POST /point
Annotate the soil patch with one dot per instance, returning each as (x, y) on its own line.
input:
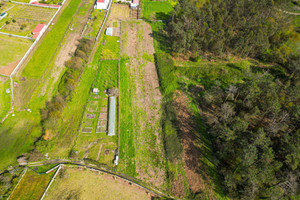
(9, 68)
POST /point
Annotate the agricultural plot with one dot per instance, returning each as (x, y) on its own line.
(110, 49)
(94, 24)
(93, 142)
(4, 96)
(22, 19)
(77, 183)
(141, 146)
(32, 186)
(12, 50)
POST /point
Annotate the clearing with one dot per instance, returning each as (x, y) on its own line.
(79, 183)
(4, 96)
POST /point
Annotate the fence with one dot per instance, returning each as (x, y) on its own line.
(28, 4)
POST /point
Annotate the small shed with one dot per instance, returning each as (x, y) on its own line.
(109, 31)
(102, 4)
(95, 90)
(39, 29)
(116, 161)
(134, 3)
(111, 116)
(2, 15)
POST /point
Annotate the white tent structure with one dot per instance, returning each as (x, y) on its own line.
(111, 116)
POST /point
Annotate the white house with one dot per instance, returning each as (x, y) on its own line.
(102, 4)
(134, 3)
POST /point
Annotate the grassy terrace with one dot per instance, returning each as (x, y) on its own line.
(32, 186)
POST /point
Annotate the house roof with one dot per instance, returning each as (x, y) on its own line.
(100, 1)
(38, 28)
(35, 35)
(136, 1)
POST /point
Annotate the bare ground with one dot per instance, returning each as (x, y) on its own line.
(9, 68)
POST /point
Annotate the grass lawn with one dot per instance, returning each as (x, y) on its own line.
(17, 135)
(32, 186)
(83, 184)
(12, 49)
(4, 97)
(156, 9)
(43, 168)
(110, 48)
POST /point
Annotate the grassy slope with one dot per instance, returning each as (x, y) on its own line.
(156, 9)
(32, 186)
(85, 184)
(12, 49)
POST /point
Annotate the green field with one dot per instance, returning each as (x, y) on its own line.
(73, 183)
(12, 49)
(32, 186)
(156, 9)
(4, 97)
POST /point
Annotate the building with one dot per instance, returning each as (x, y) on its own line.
(111, 116)
(109, 31)
(38, 30)
(134, 3)
(102, 4)
(2, 15)
(95, 90)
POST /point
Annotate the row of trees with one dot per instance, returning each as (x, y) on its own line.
(52, 113)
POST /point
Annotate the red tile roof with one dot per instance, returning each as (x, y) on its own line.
(38, 28)
(100, 1)
(35, 35)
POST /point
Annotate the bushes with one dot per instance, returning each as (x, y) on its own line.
(52, 113)
(166, 67)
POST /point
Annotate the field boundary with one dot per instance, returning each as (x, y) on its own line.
(124, 177)
(28, 4)
(14, 35)
(59, 167)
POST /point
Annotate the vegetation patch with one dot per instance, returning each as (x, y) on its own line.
(85, 184)
(110, 48)
(32, 186)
